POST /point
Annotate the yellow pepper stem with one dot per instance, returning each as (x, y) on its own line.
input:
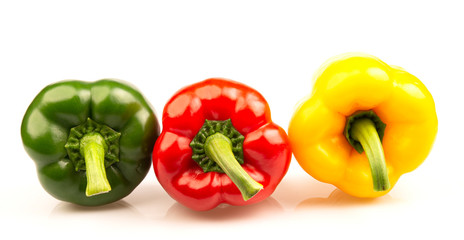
(364, 131)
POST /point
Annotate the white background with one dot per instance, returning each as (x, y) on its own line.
(274, 47)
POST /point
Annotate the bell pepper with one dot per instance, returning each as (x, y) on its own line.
(364, 125)
(219, 145)
(91, 141)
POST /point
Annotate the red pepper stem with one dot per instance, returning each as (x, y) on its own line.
(219, 148)
(93, 148)
(364, 131)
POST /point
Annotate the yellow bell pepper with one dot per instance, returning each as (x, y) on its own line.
(364, 125)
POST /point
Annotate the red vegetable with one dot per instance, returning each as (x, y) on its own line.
(219, 145)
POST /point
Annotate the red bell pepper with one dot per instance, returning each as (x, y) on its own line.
(219, 145)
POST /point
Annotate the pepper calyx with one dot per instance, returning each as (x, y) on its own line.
(370, 114)
(76, 134)
(209, 128)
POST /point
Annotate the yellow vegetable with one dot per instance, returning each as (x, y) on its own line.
(361, 105)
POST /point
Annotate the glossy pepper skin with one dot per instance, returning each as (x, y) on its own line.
(109, 108)
(266, 151)
(349, 83)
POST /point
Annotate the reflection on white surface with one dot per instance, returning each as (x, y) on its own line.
(225, 213)
(340, 199)
(116, 209)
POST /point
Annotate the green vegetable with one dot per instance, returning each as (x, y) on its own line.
(91, 141)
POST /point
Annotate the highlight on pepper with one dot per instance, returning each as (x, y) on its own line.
(364, 125)
(219, 145)
(91, 141)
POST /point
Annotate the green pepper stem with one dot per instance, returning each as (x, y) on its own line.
(93, 148)
(219, 148)
(364, 131)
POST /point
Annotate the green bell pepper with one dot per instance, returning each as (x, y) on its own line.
(91, 141)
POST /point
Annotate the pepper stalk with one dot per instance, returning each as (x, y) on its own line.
(364, 131)
(218, 147)
(92, 147)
